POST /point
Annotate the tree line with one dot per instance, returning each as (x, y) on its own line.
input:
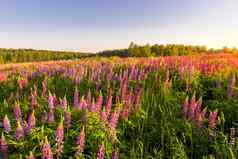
(29, 55)
(135, 50)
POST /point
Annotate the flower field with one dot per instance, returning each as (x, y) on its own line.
(135, 108)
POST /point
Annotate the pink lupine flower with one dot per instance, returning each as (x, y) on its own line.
(80, 143)
(109, 103)
(115, 155)
(127, 107)
(99, 102)
(192, 108)
(17, 112)
(82, 104)
(59, 139)
(103, 116)
(19, 131)
(6, 124)
(67, 119)
(89, 97)
(31, 156)
(114, 118)
(46, 150)
(212, 120)
(51, 116)
(93, 106)
(76, 98)
(63, 103)
(44, 87)
(22, 83)
(138, 99)
(31, 121)
(4, 147)
(33, 99)
(101, 151)
(200, 117)
(51, 101)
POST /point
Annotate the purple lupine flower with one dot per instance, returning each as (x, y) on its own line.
(76, 98)
(200, 117)
(44, 87)
(99, 102)
(115, 155)
(127, 107)
(101, 151)
(19, 131)
(138, 99)
(31, 121)
(51, 116)
(59, 139)
(192, 108)
(46, 150)
(17, 111)
(31, 156)
(51, 101)
(6, 124)
(33, 100)
(212, 120)
(67, 119)
(80, 143)
(4, 147)
(63, 103)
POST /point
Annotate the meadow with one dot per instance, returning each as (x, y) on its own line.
(137, 108)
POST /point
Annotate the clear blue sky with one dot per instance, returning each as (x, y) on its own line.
(93, 25)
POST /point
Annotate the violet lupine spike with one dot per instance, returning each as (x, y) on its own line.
(127, 106)
(6, 124)
(51, 101)
(31, 156)
(80, 143)
(67, 119)
(51, 116)
(114, 118)
(4, 147)
(115, 155)
(212, 120)
(63, 103)
(17, 111)
(33, 100)
(103, 116)
(59, 138)
(46, 150)
(93, 106)
(19, 131)
(192, 108)
(101, 151)
(31, 121)
(76, 98)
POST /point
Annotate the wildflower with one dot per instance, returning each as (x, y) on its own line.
(80, 143)
(99, 102)
(6, 124)
(114, 118)
(19, 131)
(103, 116)
(51, 116)
(51, 101)
(63, 103)
(31, 156)
(22, 83)
(127, 107)
(44, 87)
(4, 147)
(83, 103)
(46, 150)
(17, 111)
(101, 151)
(59, 139)
(67, 119)
(138, 99)
(89, 97)
(31, 121)
(115, 155)
(212, 119)
(109, 103)
(185, 107)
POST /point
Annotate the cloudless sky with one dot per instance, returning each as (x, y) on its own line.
(94, 25)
